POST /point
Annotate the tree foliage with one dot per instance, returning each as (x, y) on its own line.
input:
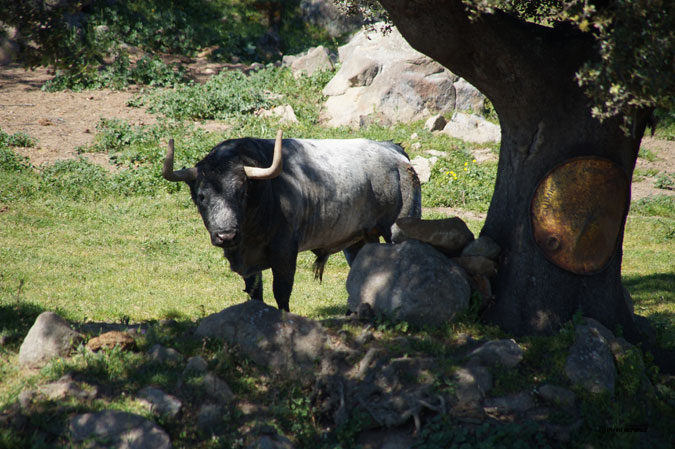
(634, 39)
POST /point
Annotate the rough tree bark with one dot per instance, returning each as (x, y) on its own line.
(528, 72)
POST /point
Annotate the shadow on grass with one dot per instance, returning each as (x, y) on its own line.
(15, 321)
(651, 286)
(333, 311)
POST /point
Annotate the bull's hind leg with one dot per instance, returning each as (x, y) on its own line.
(351, 252)
(254, 286)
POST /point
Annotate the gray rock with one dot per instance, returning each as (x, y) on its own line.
(468, 97)
(160, 402)
(280, 341)
(196, 365)
(65, 387)
(472, 128)
(384, 77)
(50, 337)
(409, 282)
(435, 123)
(559, 396)
(472, 382)
(217, 389)
(209, 417)
(477, 265)
(285, 113)
(315, 60)
(168, 356)
(116, 429)
(483, 246)
(422, 166)
(590, 362)
(504, 353)
(449, 235)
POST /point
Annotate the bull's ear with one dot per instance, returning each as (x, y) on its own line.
(185, 174)
(273, 170)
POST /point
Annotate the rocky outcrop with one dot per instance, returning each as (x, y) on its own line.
(382, 79)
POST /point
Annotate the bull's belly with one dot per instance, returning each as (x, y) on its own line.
(334, 237)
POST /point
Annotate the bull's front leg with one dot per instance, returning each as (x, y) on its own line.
(283, 274)
(254, 286)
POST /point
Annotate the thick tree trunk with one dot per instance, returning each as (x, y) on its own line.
(527, 71)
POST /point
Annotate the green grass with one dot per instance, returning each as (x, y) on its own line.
(128, 247)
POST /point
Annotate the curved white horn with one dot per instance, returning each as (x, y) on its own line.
(273, 170)
(185, 174)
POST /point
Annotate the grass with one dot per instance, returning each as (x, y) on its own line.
(128, 247)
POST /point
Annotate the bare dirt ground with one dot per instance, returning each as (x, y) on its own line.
(63, 121)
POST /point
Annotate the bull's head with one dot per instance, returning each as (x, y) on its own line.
(219, 192)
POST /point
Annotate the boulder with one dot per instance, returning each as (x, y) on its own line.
(117, 429)
(590, 362)
(495, 353)
(483, 246)
(316, 59)
(160, 402)
(167, 356)
(285, 113)
(217, 389)
(280, 341)
(472, 128)
(477, 265)
(449, 235)
(383, 77)
(472, 383)
(196, 365)
(435, 123)
(422, 167)
(50, 337)
(65, 387)
(410, 282)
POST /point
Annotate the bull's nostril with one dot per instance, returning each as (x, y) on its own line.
(221, 238)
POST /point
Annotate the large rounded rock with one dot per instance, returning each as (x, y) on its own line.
(50, 337)
(117, 429)
(409, 282)
(280, 341)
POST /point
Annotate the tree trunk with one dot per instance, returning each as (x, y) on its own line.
(528, 72)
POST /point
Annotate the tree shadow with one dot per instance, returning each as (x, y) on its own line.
(651, 285)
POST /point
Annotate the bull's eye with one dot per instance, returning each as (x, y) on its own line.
(201, 198)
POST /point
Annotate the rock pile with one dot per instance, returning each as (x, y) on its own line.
(427, 280)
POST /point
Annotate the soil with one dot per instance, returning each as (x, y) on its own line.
(63, 121)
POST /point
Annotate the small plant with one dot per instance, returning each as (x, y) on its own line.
(665, 181)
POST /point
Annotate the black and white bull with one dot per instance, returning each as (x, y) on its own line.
(326, 196)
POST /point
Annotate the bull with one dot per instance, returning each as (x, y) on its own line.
(263, 208)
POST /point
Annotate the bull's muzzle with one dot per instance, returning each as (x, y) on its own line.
(225, 238)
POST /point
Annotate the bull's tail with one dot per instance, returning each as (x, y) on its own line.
(320, 264)
(411, 196)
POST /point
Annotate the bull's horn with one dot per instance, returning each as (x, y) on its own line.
(273, 170)
(185, 174)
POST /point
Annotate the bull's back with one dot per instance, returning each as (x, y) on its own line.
(337, 190)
